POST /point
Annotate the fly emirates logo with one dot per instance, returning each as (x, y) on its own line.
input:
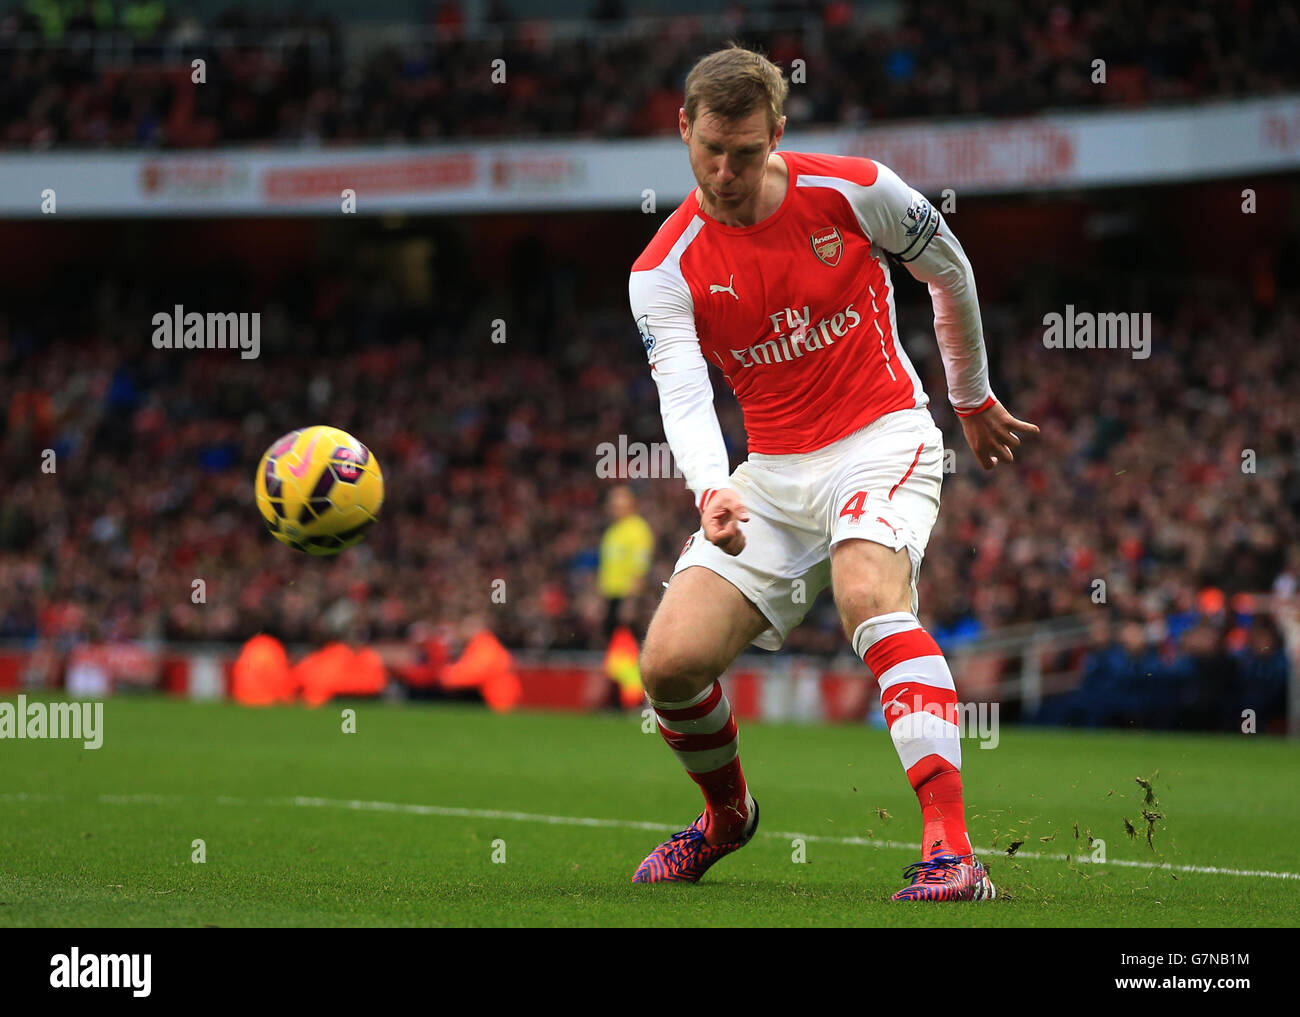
(796, 336)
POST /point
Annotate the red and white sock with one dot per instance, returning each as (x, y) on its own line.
(702, 732)
(920, 703)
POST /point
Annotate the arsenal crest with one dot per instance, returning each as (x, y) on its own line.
(828, 245)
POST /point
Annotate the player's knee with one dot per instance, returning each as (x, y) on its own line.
(860, 603)
(672, 673)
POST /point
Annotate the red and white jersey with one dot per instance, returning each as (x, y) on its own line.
(798, 313)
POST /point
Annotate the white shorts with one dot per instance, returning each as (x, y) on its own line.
(880, 483)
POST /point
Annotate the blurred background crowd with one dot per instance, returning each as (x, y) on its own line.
(118, 72)
(490, 458)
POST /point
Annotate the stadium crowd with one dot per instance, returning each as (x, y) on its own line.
(1174, 480)
(118, 73)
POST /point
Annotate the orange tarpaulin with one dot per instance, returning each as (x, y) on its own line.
(338, 670)
(487, 666)
(368, 676)
(261, 673)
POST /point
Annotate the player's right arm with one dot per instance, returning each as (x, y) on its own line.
(665, 316)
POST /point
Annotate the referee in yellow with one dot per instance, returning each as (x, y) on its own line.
(626, 551)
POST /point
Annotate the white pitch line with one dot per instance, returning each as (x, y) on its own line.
(29, 796)
(627, 824)
(303, 801)
(1043, 855)
(459, 813)
(141, 799)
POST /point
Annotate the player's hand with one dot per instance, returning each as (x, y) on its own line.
(993, 435)
(721, 519)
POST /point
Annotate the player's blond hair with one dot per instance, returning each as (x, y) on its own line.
(733, 82)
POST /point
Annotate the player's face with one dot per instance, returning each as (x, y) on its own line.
(729, 157)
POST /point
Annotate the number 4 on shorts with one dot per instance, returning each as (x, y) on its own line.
(855, 507)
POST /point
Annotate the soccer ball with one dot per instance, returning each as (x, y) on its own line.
(319, 490)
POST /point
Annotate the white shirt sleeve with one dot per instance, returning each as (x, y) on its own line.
(902, 221)
(665, 315)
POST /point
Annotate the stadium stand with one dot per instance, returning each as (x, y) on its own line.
(98, 74)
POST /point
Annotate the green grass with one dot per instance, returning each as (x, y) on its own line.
(72, 853)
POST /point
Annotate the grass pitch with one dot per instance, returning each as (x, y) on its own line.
(400, 822)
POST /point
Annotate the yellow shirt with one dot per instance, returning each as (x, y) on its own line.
(626, 550)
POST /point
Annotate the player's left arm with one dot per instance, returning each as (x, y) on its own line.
(903, 222)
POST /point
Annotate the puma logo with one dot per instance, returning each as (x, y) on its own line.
(715, 288)
(895, 704)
